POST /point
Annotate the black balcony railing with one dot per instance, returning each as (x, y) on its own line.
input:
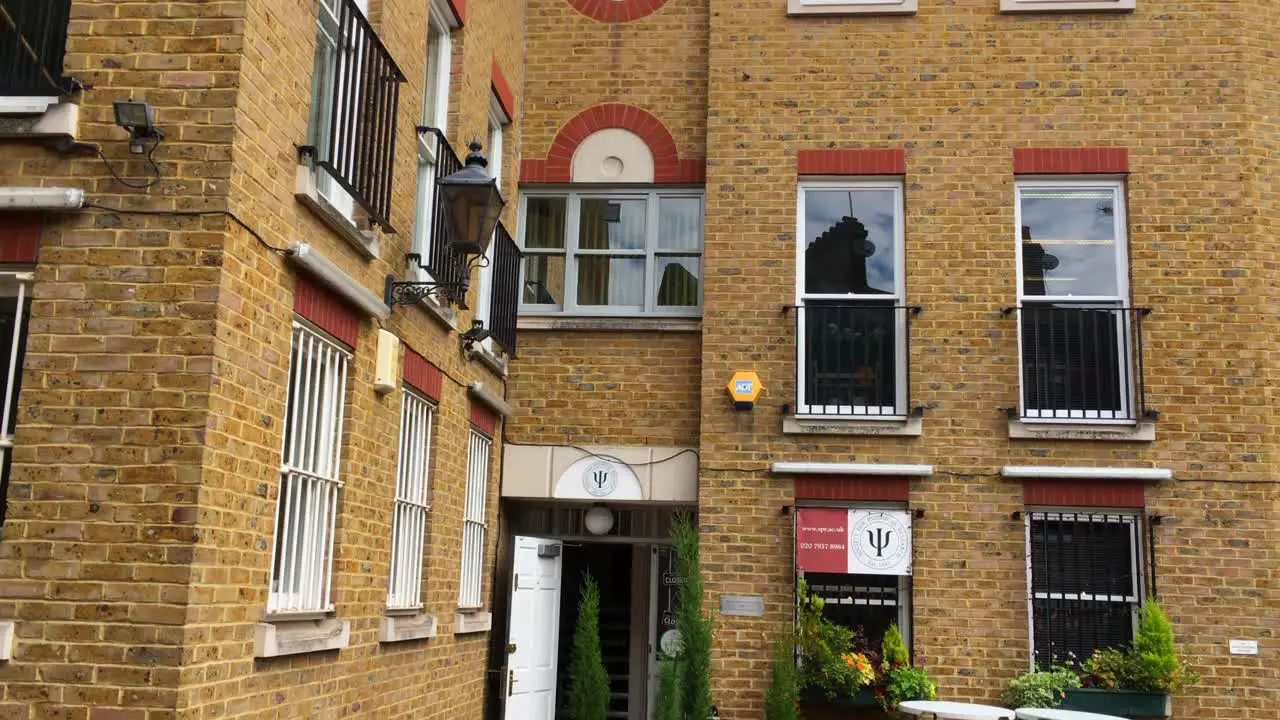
(33, 40)
(444, 265)
(852, 359)
(358, 147)
(505, 301)
(1081, 361)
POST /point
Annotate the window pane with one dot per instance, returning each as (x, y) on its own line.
(544, 223)
(677, 279)
(1069, 241)
(543, 280)
(680, 223)
(849, 241)
(866, 604)
(604, 280)
(612, 224)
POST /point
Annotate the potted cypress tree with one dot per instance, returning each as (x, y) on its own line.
(684, 681)
(1136, 682)
(589, 681)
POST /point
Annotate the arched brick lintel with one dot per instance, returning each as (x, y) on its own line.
(617, 11)
(668, 167)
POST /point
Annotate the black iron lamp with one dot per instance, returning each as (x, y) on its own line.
(471, 202)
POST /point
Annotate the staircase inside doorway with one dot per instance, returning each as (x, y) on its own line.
(610, 565)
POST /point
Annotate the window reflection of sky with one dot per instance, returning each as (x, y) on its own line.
(1077, 228)
(875, 209)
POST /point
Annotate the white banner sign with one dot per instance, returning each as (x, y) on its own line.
(879, 542)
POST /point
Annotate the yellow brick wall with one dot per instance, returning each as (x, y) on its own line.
(136, 556)
(958, 86)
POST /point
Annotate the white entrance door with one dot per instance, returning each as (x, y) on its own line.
(534, 630)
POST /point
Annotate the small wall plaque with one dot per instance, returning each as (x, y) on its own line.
(1243, 647)
(742, 605)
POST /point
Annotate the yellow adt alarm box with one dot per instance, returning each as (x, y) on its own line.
(744, 388)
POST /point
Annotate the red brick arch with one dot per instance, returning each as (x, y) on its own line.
(668, 167)
(616, 11)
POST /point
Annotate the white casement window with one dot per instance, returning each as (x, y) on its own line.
(1084, 581)
(498, 122)
(622, 253)
(302, 566)
(1076, 328)
(409, 521)
(329, 44)
(851, 7)
(1052, 6)
(15, 317)
(851, 320)
(435, 114)
(474, 527)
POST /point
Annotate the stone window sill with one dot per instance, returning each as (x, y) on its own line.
(567, 322)
(1135, 432)
(440, 311)
(1054, 6)
(308, 193)
(472, 621)
(889, 427)
(39, 117)
(278, 637)
(491, 357)
(852, 7)
(404, 627)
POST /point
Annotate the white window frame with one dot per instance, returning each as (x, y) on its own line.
(310, 484)
(474, 522)
(498, 122)
(1119, 301)
(1137, 563)
(412, 504)
(327, 24)
(650, 252)
(1051, 6)
(900, 410)
(851, 7)
(435, 114)
(19, 283)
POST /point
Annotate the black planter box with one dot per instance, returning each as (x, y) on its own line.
(1125, 703)
(864, 698)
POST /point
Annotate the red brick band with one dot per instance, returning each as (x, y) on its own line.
(617, 11)
(20, 237)
(668, 166)
(420, 374)
(852, 162)
(845, 487)
(326, 311)
(502, 90)
(484, 419)
(1069, 161)
(1084, 493)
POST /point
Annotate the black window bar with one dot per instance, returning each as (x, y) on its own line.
(33, 41)
(442, 262)
(1085, 583)
(848, 365)
(505, 302)
(1082, 361)
(359, 148)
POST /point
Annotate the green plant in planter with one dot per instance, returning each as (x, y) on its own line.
(667, 701)
(693, 678)
(780, 700)
(1158, 667)
(588, 679)
(900, 680)
(1044, 689)
(893, 649)
(828, 662)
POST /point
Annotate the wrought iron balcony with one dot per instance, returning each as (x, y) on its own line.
(357, 142)
(852, 359)
(33, 40)
(443, 263)
(1081, 361)
(505, 301)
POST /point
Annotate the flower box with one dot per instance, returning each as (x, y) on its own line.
(1125, 703)
(864, 698)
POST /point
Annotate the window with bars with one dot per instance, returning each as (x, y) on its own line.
(1084, 571)
(474, 527)
(867, 604)
(409, 523)
(15, 316)
(436, 158)
(307, 510)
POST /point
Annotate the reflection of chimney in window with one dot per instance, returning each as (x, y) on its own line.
(613, 212)
(836, 261)
(1035, 263)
